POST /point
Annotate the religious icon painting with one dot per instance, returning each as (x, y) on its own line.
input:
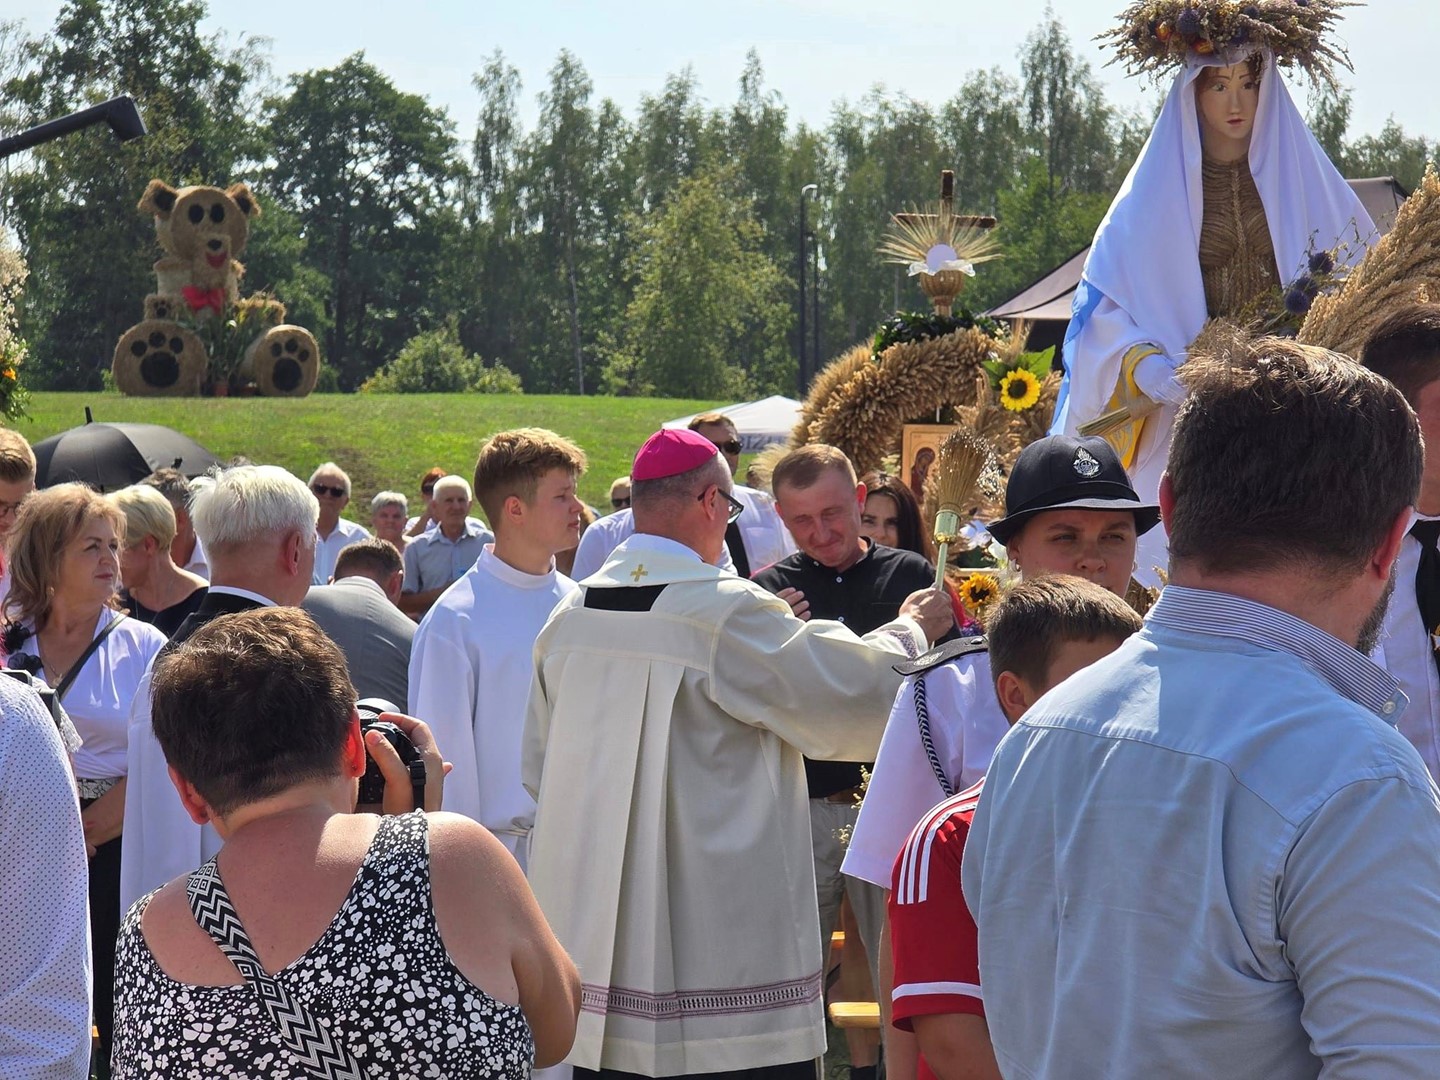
(919, 447)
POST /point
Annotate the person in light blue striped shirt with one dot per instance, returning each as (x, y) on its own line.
(1212, 854)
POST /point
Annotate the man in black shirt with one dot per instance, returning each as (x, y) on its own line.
(837, 574)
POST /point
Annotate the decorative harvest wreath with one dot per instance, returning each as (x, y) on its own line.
(982, 377)
(1155, 36)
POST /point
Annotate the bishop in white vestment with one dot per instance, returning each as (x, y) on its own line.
(672, 707)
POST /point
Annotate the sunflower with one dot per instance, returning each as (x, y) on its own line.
(978, 591)
(1019, 390)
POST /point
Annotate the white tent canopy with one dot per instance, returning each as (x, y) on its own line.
(760, 423)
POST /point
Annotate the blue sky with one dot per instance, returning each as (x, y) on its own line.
(814, 51)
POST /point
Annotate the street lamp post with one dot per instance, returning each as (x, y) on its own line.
(119, 113)
(801, 375)
(815, 354)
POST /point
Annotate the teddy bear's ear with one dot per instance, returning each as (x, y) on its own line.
(159, 199)
(244, 199)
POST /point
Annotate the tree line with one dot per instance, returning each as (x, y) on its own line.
(653, 253)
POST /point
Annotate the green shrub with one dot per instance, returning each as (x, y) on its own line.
(434, 362)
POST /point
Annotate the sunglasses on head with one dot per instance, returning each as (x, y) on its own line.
(326, 489)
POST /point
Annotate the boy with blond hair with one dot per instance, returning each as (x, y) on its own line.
(1040, 634)
(471, 663)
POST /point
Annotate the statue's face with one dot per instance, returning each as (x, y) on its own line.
(1227, 98)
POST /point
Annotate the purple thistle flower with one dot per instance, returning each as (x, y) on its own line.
(1297, 302)
(1322, 262)
(1188, 23)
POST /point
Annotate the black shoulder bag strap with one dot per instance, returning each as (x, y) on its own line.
(95, 643)
(311, 1042)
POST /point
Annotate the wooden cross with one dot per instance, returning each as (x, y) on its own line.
(638, 573)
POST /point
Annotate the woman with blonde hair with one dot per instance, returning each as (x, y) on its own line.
(63, 553)
(161, 593)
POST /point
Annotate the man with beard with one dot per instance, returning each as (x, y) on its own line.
(1212, 853)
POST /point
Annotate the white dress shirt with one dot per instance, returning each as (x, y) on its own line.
(161, 842)
(198, 563)
(99, 700)
(1408, 653)
(328, 548)
(766, 538)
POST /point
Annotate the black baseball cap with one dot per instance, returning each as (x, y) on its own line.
(1061, 471)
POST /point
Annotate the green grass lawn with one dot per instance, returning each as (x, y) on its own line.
(382, 440)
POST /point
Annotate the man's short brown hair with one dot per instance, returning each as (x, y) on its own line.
(512, 463)
(800, 468)
(276, 698)
(1287, 455)
(173, 485)
(1405, 348)
(708, 418)
(17, 460)
(373, 558)
(1036, 617)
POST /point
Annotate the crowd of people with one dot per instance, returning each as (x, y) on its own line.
(588, 793)
(640, 808)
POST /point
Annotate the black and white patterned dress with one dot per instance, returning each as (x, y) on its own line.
(379, 978)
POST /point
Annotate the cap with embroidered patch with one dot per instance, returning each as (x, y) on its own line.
(670, 452)
(1063, 471)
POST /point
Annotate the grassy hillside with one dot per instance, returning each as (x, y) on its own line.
(382, 441)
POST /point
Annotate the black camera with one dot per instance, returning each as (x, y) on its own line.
(372, 784)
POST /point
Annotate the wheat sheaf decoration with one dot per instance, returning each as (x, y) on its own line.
(1403, 267)
(965, 462)
(861, 403)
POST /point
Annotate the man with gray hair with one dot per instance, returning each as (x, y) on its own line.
(257, 523)
(331, 486)
(439, 557)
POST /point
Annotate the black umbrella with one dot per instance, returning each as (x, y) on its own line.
(112, 456)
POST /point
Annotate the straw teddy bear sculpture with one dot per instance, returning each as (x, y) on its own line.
(198, 333)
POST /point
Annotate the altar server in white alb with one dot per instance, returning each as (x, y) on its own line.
(671, 707)
(473, 656)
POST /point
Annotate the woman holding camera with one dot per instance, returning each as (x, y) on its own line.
(399, 946)
(64, 563)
